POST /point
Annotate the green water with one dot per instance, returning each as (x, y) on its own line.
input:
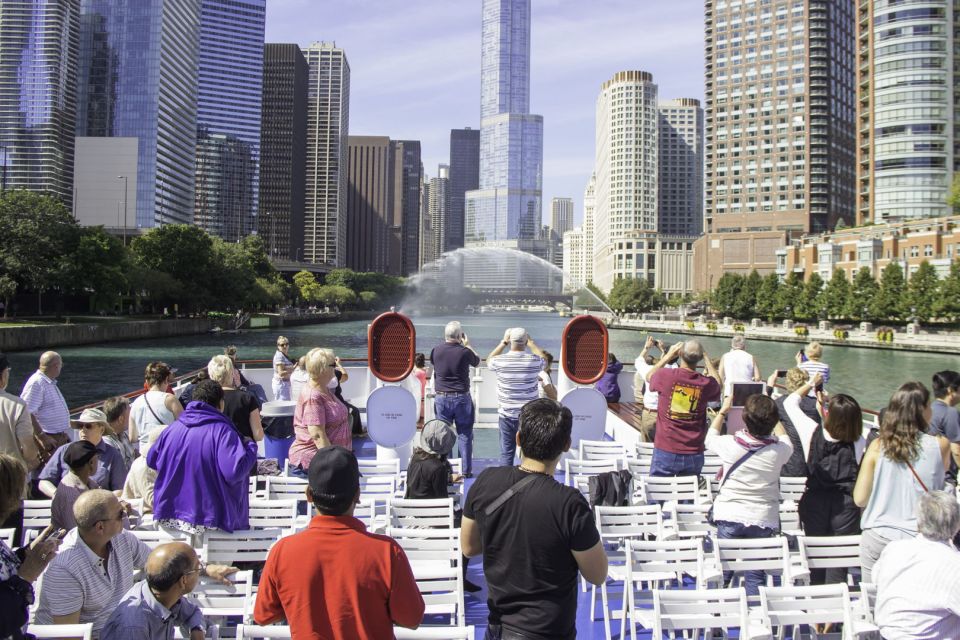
(94, 372)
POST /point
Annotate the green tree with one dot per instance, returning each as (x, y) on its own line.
(890, 301)
(768, 296)
(923, 291)
(597, 291)
(39, 236)
(948, 302)
(100, 267)
(631, 295)
(186, 254)
(746, 302)
(306, 285)
(953, 199)
(368, 299)
(789, 295)
(811, 301)
(342, 277)
(334, 295)
(836, 295)
(726, 294)
(863, 293)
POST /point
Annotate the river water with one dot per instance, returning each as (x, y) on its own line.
(95, 372)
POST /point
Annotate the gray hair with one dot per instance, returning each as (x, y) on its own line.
(452, 331)
(93, 506)
(220, 369)
(692, 352)
(738, 342)
(938, 516)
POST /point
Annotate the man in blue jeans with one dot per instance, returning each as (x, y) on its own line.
(453, 404)
(518, 382)
(683, 394)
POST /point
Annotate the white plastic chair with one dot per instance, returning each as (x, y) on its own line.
(442, 592)
(690, 521)
(154, 539)
(867, 602)
(284, 488)
(84, 631)
(366, 512)
(640, 467)
(693, 610)
(258, 632)
(602, 450)
(410, 514)
(217, 600)
(829, 552)
(783, 607)
(253, 488)
(370, 468)
(577, 467)
(428, 549)
(8, 536)
(253, 545)
(711, 465)
(790, 518)
(770, 555)
(792, 488)
(36, 518)
(273, 514)
(435, 633)
(672, 490)
(378, 488)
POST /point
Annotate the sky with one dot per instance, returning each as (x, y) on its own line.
(415, 67)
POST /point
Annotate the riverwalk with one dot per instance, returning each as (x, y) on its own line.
(861, 336)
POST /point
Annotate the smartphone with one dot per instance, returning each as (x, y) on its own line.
(781, 373)
(803, 356)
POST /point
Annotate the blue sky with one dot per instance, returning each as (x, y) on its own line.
(415, 67)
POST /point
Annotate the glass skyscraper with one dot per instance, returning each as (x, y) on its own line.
(138, 78)
(38, 64)
(464, 176)
(229, 99)
(507, 204)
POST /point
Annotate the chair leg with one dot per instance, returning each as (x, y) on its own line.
(606, 611)
(593, 602)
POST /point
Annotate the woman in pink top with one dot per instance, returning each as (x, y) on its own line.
(320, 420)
(420, 373)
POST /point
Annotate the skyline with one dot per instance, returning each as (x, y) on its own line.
(433, 49)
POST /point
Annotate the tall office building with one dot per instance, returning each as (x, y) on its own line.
(574, 259)
(407, 178)
(464, 176)
(38, 82)
(589, 217)
(908, 109)
(779, 119)
(229, 97)
(507, 204)
(561, 215)
(439, 208)
(427, 252)
(680, 188)
(138, 79)
(283, 150)
(328, 125)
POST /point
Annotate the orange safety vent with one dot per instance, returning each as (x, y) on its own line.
(585, 345)
(391, 344)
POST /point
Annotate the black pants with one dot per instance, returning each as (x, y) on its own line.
(828, 512)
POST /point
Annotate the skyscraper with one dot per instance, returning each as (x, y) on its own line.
(138, 78)
(328, 125)
(464, 176)
(439, 208)
(589, 218)
(283, 150)
(427, 253)
(680, 188)
(229, 98)
(561, 215)
(38, 82)
(507, 204)
(407, 178)
(908, 108)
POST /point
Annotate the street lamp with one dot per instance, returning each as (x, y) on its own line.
(124, 178)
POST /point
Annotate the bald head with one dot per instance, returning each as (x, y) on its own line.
(93, 506)
(692, 353)
(51, 363)
(168, 563)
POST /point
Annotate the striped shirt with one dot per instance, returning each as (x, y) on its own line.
(46, 403)
(518, 380)
(80, 580)
(813, 367)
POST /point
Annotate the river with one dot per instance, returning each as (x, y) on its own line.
(94, 372)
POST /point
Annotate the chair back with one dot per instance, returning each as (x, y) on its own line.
(652, 559)
(690, 521)
(672, 489)
(602, 450)
(618, 524)
(790, 518)
(435, 633)
(286, 488)
(683, 610)
(792, 488)
(868, 600)
(748, 554)
(809, 605)
(370, 468)
(9, 537)
(36, 518)
(84, 631)
(442, 592)
(413, 513)
(711, 465)
(429, 547)
(830, 552)
(277, 514)
(216, 599)
(379, 488)
(252, 545)
(639, 467)
(154, 539)
(577, 467)
(258, 632)
(366, 512)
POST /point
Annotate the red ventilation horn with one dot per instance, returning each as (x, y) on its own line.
(391, 345)
(585, 345)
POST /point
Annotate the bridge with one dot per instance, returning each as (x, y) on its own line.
(520, 298)
(293, 266)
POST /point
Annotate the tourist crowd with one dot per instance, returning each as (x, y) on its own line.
(188, 460)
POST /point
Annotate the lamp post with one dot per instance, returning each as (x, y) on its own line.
(124, 178)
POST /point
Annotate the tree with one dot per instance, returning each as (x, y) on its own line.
(306, 285)
(789, 295)
(836, 295)
(811, 301)
(100, 267)
(768, 296)
(38, 235)
(186, 254)
(631, 295)
(726, 293)
(746, 301)
(953, 199)
(890, 301)
(948, 302)
(923, 291)
(334, 295)
(341, 277)
(862, 295)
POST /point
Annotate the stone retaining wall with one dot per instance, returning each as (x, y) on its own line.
(60, 335)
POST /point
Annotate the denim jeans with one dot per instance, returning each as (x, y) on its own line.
(668, 464)
(733, 530)
(458, 410)
(508, 440)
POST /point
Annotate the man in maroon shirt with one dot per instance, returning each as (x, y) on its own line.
(682, 409)
(335, 580)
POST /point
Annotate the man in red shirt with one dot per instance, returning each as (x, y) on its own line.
(682, 409)
(334, 580)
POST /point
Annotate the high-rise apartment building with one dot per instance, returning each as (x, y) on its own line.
(589, 218)
(439, 208)
(561, 215)
(908, 109)
(283, 150)
(383, 197)
(39, 48)
(464, 176)
(574, 260)
(680, 188)
(427, 252)
(507, 205)
(328, 125)
(229, 97)
(138, 78)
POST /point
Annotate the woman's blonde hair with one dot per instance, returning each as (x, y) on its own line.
(796, 378)
(318, 361)
(814, 350)
(220, 369)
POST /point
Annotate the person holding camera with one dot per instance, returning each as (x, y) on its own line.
(518, 382)
(453, 403)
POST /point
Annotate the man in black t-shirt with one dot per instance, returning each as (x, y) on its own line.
(534, 542)
(451, 378)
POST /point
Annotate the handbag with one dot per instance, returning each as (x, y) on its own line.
(732, 468)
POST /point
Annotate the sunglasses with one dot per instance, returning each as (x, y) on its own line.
(118, 517)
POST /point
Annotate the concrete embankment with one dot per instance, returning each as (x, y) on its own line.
(20, 338)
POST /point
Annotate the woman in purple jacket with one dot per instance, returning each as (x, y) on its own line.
(203, 466)
(608, 385)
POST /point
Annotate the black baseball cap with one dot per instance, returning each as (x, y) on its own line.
(334, 472)
(79, 453)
